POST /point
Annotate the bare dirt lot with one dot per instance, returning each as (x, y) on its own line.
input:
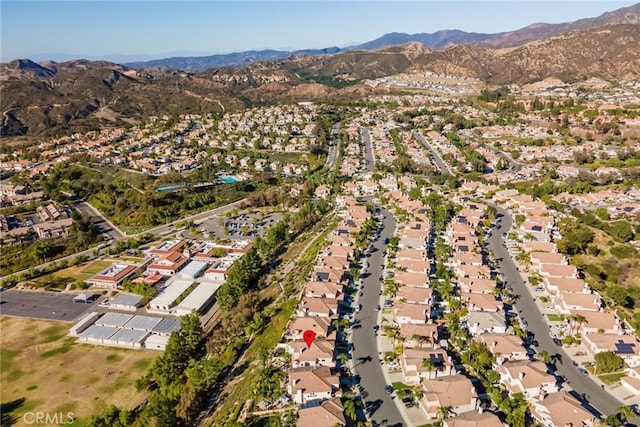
(43, 370)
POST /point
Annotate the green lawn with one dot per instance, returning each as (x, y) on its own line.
(610, 379)
(554, 317)
(398, 385)
(96, 267)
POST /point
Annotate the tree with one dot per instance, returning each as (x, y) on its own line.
(420, 339)
(184, 345)
(342, 358)
(608, 361)
(575, 238)
(429, 366)
(444, 412)
(350, 408)
(43, 250)
(575, 321)
(544, 357)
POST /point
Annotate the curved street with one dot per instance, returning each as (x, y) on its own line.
(592, 396)
(440, 164)
(379, 405)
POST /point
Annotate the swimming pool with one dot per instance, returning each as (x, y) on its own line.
(228, 179)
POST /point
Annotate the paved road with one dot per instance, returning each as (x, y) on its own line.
(514, 165)
(440, 164)
(167, 228)
(600, 400)
(365, 354)
(160, 230)
(334, 148)
(104, 225)
(369, 160)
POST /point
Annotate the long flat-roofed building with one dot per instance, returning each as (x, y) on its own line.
(198, 300)
(164, 302)
(112, 276)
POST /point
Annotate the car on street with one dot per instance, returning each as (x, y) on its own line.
(388, 389)
(583, 371)
(378, 307)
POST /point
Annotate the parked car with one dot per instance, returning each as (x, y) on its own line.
(583, 371)
(388, 389)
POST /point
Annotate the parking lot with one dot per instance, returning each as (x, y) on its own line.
(242, 226)
(42, 305)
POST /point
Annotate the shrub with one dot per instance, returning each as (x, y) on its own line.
(623, 251)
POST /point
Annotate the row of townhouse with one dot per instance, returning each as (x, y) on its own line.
(600, 329)
(313, 379)
(424, 359)
(487, 324)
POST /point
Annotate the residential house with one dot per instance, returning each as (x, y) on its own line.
(481, 302)
(424, 335)
(625, 346)
(411, 279)
(505, 347)
(474, 419)
(598, 322)
(415, 295)
(476, 286)
(414, 368)
(561, 409)
(319, 353)
(526, 377)
(416, 314)
(555, 285)
(321, 307)
(454, 391)
(482, 322)
(322, 289)
(632, 380)
(308, 384)
(321, 326)
(329, 413)
(568, 301)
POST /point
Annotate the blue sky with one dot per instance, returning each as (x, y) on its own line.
(148, 29)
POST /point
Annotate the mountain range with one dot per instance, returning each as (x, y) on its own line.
(48, 98)
(437, 40)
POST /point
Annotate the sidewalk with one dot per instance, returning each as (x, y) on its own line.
(578, 353)
(414, 416)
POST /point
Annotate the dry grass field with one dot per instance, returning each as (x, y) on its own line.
(52, 373)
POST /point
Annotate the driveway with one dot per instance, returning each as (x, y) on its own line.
(593, 397)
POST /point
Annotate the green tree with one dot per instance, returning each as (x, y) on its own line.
(350, 408)
(444, 412)
(608, 361)
(429, 366)
(575, 238)
(544, 357)
(622, 230)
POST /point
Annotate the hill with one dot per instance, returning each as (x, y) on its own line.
(438, 40)
(47, 99)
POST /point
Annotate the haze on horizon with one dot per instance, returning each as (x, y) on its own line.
(143, 30)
